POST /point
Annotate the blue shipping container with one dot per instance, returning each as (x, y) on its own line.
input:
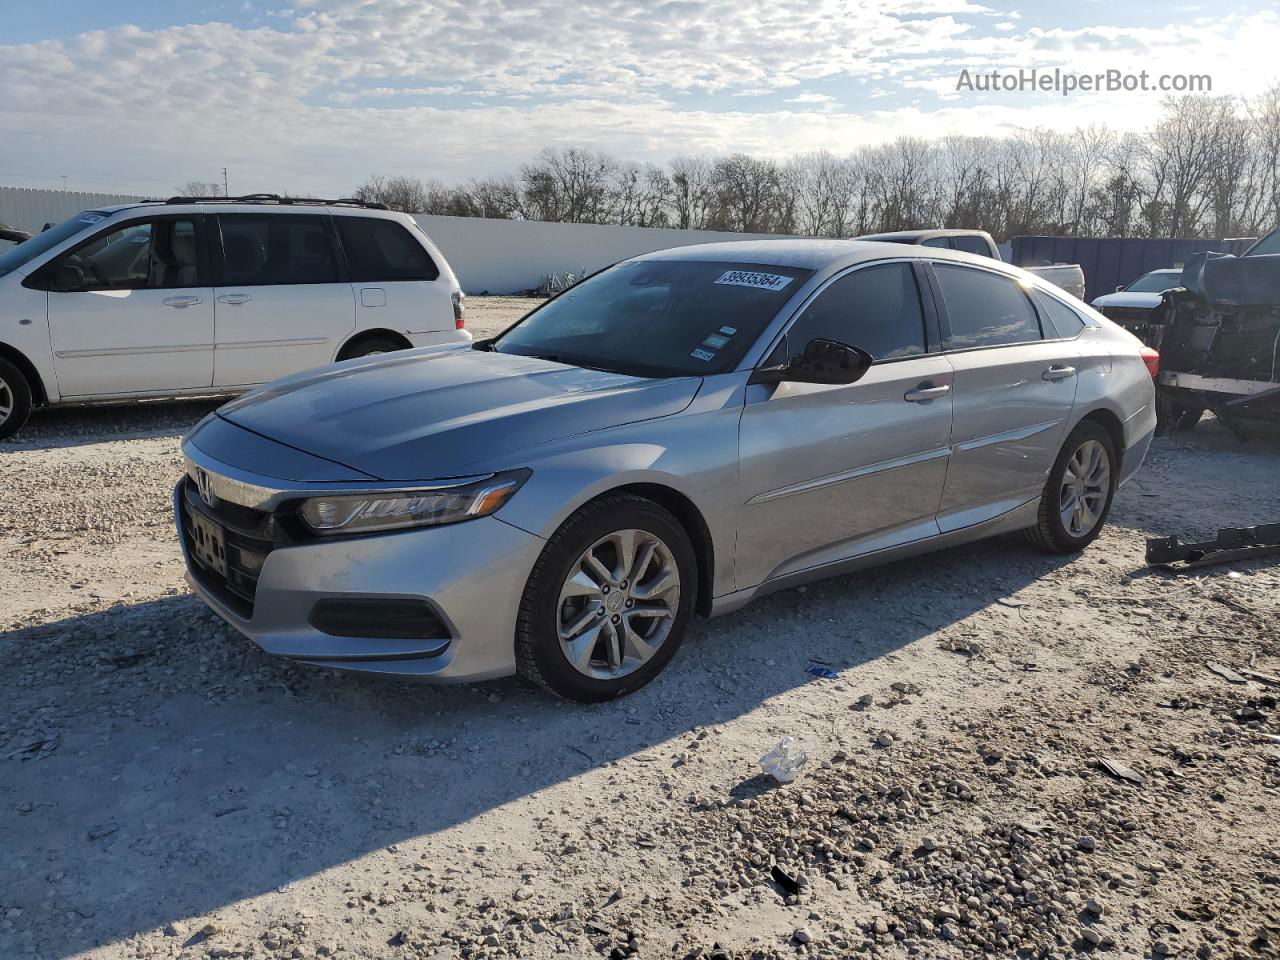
(1109, 262)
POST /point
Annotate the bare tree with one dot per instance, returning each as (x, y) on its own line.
(406, 194)
(692, 192)
(199, 188)
(1208, 164)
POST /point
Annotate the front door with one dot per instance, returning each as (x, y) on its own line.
(283, 302)
(130, 311)
(832, 471)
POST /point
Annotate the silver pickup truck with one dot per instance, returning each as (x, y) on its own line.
(1068, 276)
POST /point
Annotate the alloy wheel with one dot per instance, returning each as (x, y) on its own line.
(6, 401)
(1086, 483)
(618, 604)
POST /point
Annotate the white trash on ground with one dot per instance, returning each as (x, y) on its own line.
(784, 761)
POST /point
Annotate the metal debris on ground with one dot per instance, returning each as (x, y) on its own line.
(784, 761)
(1226, 673)
(789, 884)
(1120, 771)
(1231, 543)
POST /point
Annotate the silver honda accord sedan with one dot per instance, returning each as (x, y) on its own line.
(683, 431)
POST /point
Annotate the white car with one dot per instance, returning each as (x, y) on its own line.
(198, 296)
(1135, 301)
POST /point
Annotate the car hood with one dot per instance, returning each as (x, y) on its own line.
(1123, 299)
(430, 414)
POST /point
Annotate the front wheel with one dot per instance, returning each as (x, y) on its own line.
(1077, 496)
(607, 603)
(15, 399)
(372, 347)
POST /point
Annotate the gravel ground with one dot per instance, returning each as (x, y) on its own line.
(169, 791)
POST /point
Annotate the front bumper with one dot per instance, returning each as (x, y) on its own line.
(472, 573)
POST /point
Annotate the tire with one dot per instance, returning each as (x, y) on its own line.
(1188, 417)
(15, 399)
(370, 347)
(1053, 533)
(618, 648)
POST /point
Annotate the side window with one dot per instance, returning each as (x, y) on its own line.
(383, 251)
(260, 249)
(944, 242)
(160, 254)
(985, 309)
(875, 308)
(1065, 321)
(972, 245)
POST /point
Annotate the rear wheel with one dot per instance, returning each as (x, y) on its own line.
(1077, 496)
(15, 399)
(608, 601)
(371, 347)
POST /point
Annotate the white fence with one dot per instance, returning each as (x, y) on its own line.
(30, 210)
(508, 256)
(497, 256)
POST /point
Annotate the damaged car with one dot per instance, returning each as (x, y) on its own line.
(1218, 335)
(681, 432)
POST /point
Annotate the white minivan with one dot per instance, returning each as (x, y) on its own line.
(206, 296)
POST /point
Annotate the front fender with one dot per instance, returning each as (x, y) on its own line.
(694, 453)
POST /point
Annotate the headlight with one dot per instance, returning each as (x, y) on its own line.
(395, 509)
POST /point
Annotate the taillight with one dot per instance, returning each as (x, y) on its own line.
(460, 309)
(1152, 359)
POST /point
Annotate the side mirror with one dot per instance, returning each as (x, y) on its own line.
(61, 277)
(1119, 288)
(823, 361)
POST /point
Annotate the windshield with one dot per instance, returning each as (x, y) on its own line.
(657, 318)
(1268, 244)
(28, 250)
(1157, 282)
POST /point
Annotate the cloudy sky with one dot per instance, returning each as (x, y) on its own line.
(139, 96)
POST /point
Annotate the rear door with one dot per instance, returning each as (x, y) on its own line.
(131, 309)
(395, 282)
(830, 471)
(1015, 385)
(283, 301)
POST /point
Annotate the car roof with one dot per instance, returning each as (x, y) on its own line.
(911, 236)
(815, 254)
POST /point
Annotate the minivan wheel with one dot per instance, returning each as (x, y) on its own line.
(370, 348)
(15, 399)
(608, 601)
(1077, 496)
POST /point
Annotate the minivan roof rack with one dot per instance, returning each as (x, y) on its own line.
(283, 201)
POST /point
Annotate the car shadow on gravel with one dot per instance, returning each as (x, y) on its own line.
(161, 767)
(58, 427)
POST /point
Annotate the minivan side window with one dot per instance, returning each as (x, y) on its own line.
(1066, 322)
(155, 255)
(287, 248)
(972, 245)
(985, 309)
(874, 308)
(383, 251)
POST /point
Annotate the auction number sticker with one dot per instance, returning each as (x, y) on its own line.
(750, 278)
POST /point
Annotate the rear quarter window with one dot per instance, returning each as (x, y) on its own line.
(382, 251)
(1065, 321)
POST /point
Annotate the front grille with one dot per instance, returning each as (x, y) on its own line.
(250, 535)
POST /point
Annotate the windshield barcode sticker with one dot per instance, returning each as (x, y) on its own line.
(749, 278)
(701, 354)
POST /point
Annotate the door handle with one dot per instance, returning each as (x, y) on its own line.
(925, 394)
(234, 298)
(1057, 372)
(181, 302)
